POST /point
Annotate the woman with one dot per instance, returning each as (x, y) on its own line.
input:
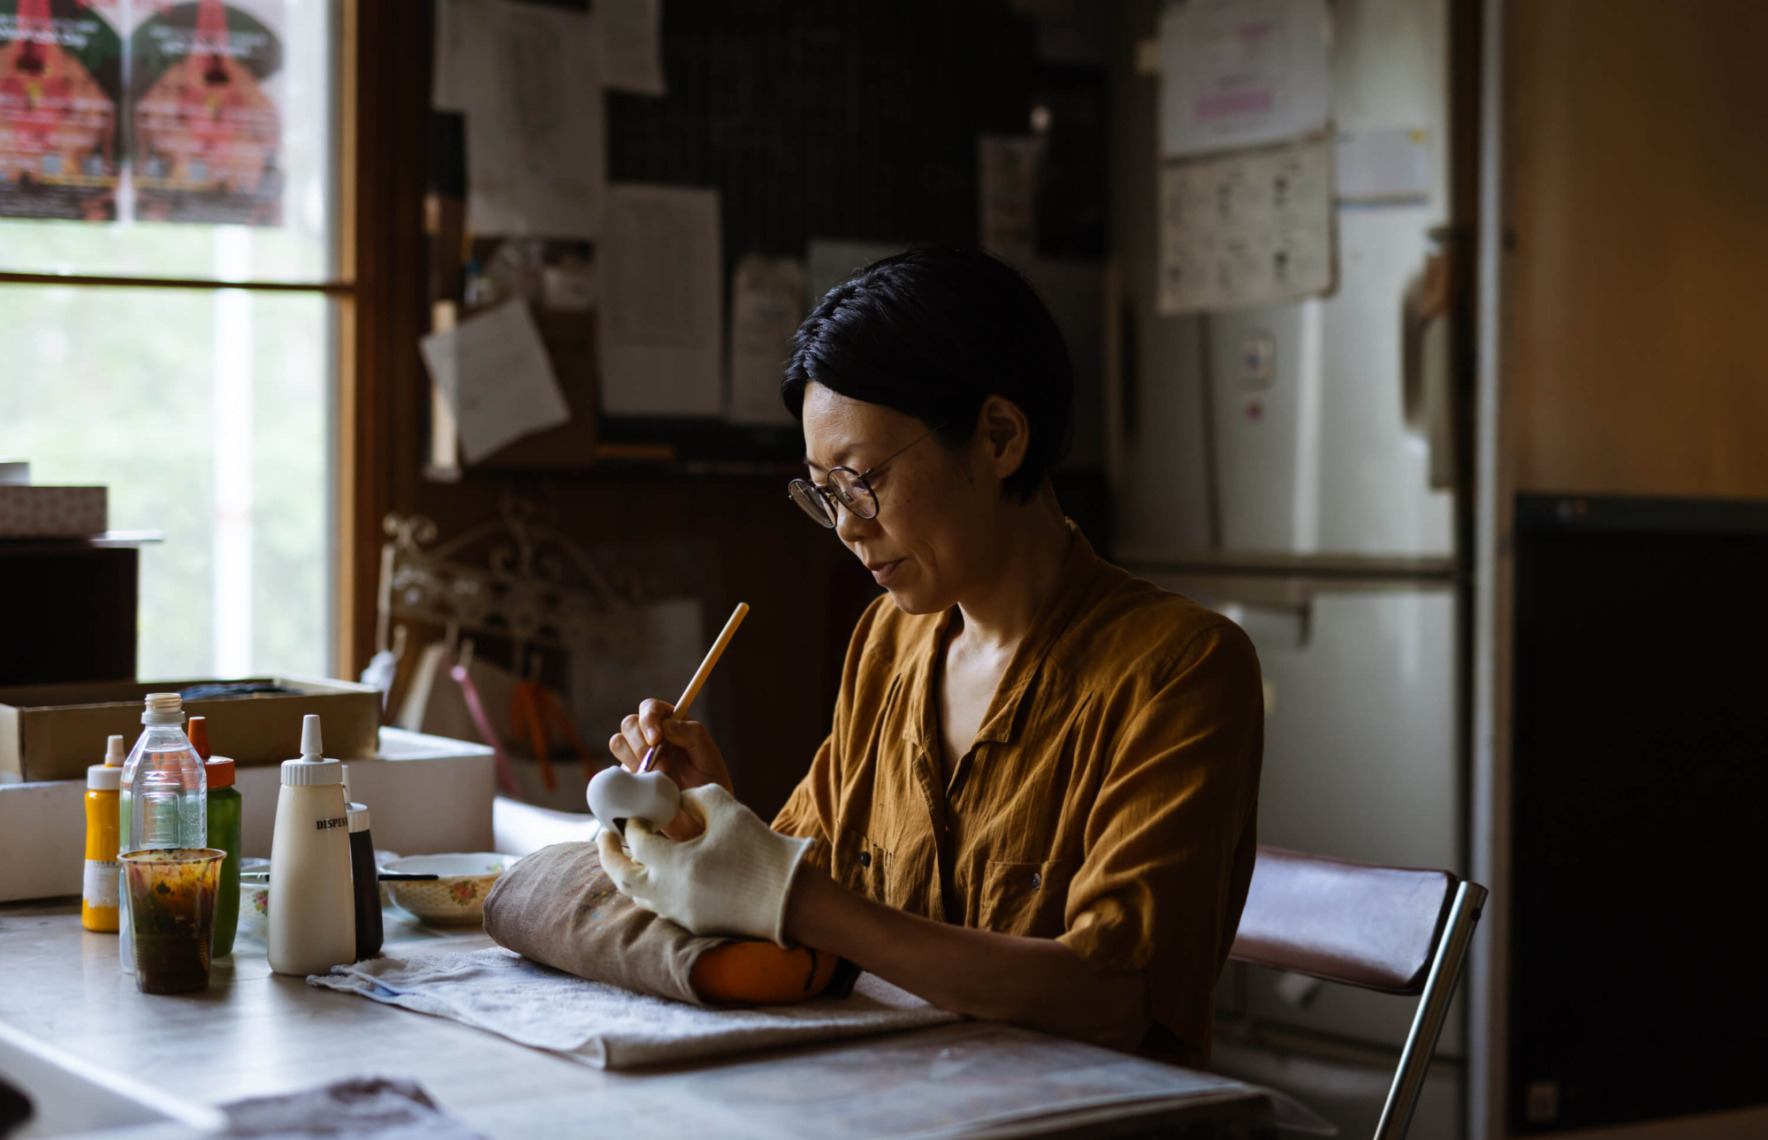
(1037, 802)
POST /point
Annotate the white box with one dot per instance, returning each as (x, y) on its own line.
(425, 795)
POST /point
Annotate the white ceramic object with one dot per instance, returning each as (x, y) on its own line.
(614, 793)
(458, 896)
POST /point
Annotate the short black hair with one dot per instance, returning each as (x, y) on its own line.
(933, 333)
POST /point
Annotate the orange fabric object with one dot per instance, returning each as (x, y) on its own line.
(760, 972)
(1109, 800)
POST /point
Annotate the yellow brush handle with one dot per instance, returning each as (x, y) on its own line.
(712, 656)
(700, 674)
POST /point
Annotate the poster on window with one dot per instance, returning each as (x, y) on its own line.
(205, 111)
(61, 84)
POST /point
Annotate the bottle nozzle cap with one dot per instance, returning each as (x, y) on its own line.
(114, 752)
(311, 745)
(197, 732)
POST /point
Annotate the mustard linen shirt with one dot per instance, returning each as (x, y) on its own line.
(1109, 801)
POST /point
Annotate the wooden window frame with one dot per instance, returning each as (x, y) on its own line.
(381, 115)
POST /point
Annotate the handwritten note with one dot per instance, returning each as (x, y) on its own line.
(767, 305)
(496, 377)
(632, 45)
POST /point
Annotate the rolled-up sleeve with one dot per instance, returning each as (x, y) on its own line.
(1170, 842)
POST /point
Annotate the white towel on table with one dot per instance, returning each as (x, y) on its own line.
(611, 1028)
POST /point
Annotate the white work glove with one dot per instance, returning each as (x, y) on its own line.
(733, 878)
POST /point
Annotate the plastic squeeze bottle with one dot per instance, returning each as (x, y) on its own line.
(312, 898)
(99, 888)
(161, 803)
(223, 815)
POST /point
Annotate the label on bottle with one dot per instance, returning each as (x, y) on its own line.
(329, 824)
(100, 885)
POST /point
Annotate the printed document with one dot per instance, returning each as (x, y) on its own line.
(1238, 73)
(660, 270)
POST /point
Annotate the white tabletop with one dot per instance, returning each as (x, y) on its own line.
(256, 1033)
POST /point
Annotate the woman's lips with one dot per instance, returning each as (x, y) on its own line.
(883, 571)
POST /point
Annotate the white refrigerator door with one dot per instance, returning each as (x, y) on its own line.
(1360, 760)
(1307, 448)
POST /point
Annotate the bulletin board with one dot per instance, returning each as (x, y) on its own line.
(848, 120)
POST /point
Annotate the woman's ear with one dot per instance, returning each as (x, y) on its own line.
(1004, 434)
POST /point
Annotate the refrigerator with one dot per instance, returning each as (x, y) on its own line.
(1295, 467)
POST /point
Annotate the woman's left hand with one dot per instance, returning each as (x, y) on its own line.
(733, 878)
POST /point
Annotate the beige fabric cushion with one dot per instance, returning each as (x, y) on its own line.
(558, 907)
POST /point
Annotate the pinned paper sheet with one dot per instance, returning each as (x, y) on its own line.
(1246, 229)
(660, 273)
(528, 79)
(1237, 73)
(1007, 193)
(767, 306)
(632, 45)
(494, 373)
(1392, 166)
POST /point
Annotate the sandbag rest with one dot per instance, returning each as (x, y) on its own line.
(558, 907)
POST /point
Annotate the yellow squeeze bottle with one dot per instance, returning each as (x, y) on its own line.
(98, 890)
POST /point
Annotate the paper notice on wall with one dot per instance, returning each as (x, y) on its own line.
(1253, 228)
(832, 262)
(659, 273)
(528, 79)
(61, 99)
(767, 306)
(1238, 73)
(205, 109)
(494, 373)
(1007, 194)
(632, 45)
(1388, 166)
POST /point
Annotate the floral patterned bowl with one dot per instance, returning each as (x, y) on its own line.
(458, 896)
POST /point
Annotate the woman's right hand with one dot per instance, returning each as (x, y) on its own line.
(688, 754)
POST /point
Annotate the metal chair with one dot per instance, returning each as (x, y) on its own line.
(1390, 929)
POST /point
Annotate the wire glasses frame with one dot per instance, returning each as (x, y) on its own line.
(845, 487)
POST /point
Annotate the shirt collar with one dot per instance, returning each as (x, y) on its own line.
(1002, 721)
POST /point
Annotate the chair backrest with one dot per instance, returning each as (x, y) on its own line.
(1392, 929)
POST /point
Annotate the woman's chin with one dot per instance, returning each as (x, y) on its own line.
(912, 601)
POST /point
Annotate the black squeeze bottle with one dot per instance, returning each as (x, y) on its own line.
(366, 878)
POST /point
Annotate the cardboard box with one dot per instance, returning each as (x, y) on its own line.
(52, 512)
(54, 732)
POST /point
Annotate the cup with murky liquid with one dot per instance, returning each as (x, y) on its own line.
(172, 910)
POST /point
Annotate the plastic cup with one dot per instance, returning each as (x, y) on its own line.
(172, 911)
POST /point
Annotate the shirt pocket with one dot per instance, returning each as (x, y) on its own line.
(1025, 898)
(861, 865)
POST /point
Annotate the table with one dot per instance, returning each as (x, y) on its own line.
(256, 1033)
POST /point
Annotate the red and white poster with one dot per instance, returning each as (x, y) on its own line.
(61, 89)
(205, 111)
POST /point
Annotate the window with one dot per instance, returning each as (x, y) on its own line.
(169, 300)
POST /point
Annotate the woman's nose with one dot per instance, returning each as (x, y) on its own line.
(851, 527)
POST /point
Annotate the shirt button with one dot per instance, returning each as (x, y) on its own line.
(1037, 881)
(865, 858)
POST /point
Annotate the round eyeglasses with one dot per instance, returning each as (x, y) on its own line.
(846, 487)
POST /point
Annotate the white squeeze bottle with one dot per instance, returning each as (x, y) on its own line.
(312, 897)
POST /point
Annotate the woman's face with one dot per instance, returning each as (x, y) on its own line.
(931, 541)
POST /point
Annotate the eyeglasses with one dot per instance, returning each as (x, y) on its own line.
(846, 487)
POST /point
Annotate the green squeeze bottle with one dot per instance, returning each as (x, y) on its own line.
(223, 816)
